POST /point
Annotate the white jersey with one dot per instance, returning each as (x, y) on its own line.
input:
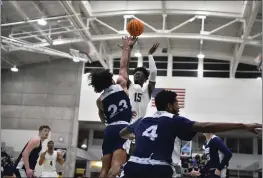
(49, 165)
(139, 97)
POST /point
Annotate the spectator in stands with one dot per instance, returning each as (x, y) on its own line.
(6, 164)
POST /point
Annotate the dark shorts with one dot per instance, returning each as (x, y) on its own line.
(132, 170)
(111, 139)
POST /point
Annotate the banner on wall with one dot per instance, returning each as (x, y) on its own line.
(63, 151)
(180, 95)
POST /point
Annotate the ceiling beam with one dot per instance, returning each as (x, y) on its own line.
(85, 34)
(155, 35)
(87, 9)
(210, 54)
(168, 11)
(249, 25)
(23, 14)
(190, 36)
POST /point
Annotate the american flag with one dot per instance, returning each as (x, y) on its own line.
(180, 95)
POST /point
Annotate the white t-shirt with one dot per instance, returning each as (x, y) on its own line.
(50, 162)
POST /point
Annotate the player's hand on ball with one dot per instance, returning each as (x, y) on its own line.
(128, 42)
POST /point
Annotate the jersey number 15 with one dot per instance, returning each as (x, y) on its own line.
(137, 97)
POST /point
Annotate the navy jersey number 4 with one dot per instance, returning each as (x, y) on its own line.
(155, 135)
(150, 132)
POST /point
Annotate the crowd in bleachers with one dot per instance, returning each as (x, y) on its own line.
(196, 163)
(7, 163)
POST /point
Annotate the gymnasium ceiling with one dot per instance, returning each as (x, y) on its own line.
(225, 30)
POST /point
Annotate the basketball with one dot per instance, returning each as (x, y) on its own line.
(135, 27)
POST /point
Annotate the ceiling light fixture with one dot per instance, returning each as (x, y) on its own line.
(200, 56)
(84, 144)
(76, 59)
(42, 21)
(14, 69)
(137, 54)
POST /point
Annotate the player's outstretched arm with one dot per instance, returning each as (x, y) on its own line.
(211, 127)
(100, 111)
(153, 69)
(123, 79)
(129, 57)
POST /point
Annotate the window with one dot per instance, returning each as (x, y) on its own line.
(247, 71)
(91, 66)
(232, 144)
(185, 66)
(245, 145)
(260, 146)
(132, 65)
(161, 64)
(216, 68)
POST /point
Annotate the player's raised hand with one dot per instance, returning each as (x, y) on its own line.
(154, 47)
(130, 40)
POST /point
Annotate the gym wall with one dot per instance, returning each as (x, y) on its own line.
(206, 99)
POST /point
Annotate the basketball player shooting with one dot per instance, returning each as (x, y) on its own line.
(27, 160)
(155, 135)
(114, 109)
(48, 160)
(139, 94)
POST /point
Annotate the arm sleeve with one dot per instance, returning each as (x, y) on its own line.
(131, 128)
(153, 69)
(183, 128)
(225, 151)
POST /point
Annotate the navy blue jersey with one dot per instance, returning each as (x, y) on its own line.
(116, 104)
(155, 135)
(32, 159)
(217, 153)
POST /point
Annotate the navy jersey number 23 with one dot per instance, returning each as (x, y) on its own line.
(116, 104)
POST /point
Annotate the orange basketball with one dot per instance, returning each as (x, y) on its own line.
(135, 27)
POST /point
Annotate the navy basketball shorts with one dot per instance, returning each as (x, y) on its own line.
(132, 170)
(112, 140)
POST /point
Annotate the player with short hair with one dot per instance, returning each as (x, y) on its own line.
(217, 155)
(155, 135)
(114, 109)
(27, 160)
(48, 160)
(139, 93)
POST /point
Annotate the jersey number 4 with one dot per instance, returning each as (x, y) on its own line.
(137, 97)
(113, 109)
(150, 132)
